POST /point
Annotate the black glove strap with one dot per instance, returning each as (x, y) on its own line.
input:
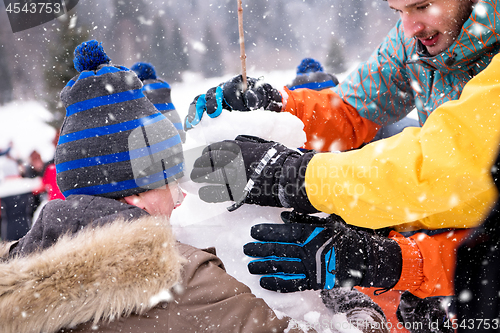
(292, 192)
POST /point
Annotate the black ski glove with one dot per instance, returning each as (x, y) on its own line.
(258, 95)
(321, 254)
(255, 171)
(423, 315)
(230, 96)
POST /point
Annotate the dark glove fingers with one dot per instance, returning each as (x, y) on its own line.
(294, 217)
(258, 249)
(288, 233)
(217, 159)
(257, 97)
(276, 265)
(238, 79)
(274, 100)
(249, 138)
(284, 283)
(214, 194)
(234, 95)
(251, 82)
(225, 175)
(232, 91)
(218, 155)
(253, 99)
(228, 145)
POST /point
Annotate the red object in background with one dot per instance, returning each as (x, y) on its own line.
(50, 184)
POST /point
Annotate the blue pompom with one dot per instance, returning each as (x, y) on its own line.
(309, 65)
(144, 71)
(89, 55)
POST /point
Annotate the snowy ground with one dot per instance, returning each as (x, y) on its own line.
(196, 222)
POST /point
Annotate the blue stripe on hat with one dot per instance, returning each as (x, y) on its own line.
(155, 86)
(111, 129)
(108, 69)
(155, 148)
(164, 106)
(102, 71)
(127, 184)
(178, 126)
(315, 85)
(120, 97)
(165, 174)
(118, 157)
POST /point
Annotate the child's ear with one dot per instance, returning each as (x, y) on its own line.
(134, 200)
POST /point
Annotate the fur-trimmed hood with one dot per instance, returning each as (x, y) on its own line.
(99, 273)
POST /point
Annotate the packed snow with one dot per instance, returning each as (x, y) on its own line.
(211, 225)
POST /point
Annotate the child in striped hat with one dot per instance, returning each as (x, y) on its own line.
(113, 141)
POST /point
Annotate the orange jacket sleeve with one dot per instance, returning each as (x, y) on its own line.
(428, 262)
(329, 123)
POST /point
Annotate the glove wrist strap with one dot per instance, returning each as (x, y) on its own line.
(291, 191)
(384, 262)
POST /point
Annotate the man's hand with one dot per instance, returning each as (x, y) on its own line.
(230, 96)
(321, 254)
(301, 256)
(253, 170)
(257, 95)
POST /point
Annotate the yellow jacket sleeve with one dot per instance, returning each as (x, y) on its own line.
(437, 176)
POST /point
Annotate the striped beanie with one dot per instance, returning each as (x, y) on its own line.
(113, 142)
(158, 92)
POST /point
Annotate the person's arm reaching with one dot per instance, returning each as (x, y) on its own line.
(438, 175)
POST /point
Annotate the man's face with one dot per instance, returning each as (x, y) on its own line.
(436, 23)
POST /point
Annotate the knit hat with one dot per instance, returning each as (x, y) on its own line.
(113, 142)
(310, 75)
(308, 65)
(158, 92)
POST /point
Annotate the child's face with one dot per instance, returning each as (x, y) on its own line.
(436, 23)
(163, 200)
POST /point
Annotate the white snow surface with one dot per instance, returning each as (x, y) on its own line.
(195, 222)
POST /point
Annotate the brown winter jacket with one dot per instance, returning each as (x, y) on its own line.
(121, 276)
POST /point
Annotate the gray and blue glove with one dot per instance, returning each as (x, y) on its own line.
(230, 96)
(255, 171)
(319, 253)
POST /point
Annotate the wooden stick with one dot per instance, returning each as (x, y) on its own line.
(243, 56)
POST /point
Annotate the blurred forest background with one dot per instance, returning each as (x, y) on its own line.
(189, 35)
